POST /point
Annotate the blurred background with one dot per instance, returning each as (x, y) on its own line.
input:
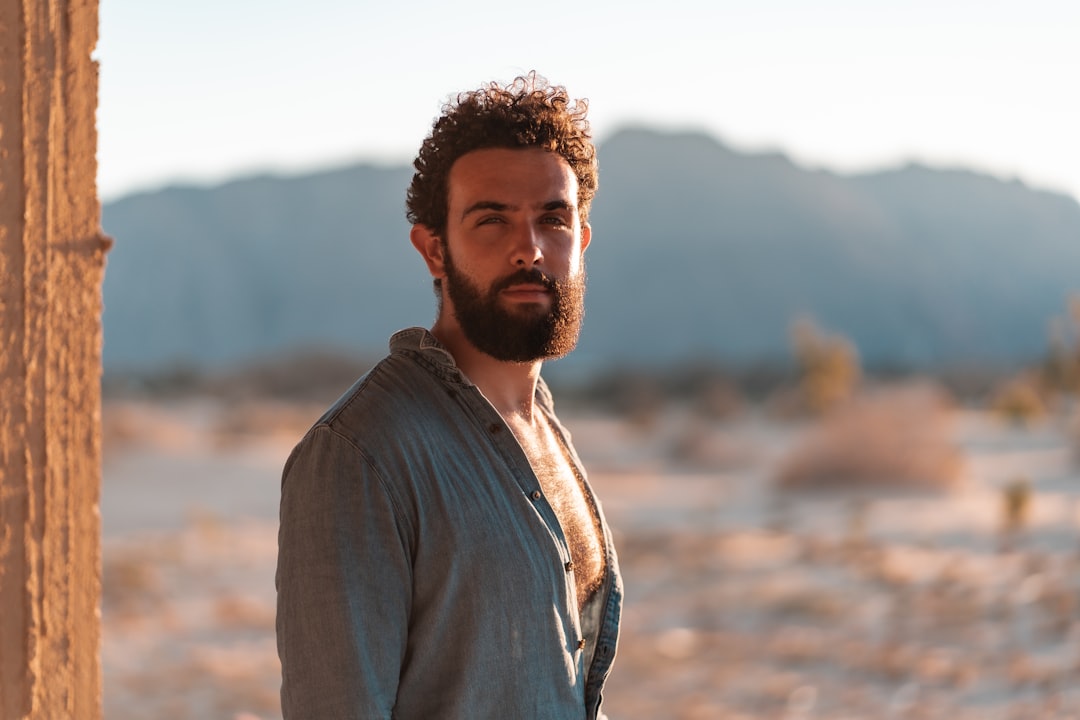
(827, 385)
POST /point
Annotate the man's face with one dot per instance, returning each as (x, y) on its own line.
(522, 332)
(513, 269)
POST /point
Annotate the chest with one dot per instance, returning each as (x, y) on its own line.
(565, 491)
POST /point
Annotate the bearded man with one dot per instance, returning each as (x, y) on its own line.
(441, 554)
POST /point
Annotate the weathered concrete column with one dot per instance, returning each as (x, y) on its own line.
(51, 265)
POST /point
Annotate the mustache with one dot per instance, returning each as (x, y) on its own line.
(525, 277)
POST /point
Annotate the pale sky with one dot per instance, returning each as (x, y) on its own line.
(206, 90)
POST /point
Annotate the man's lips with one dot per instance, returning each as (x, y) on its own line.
(527, 292)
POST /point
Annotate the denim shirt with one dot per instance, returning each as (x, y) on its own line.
(421, 571)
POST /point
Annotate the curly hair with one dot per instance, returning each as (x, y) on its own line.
(527, 113)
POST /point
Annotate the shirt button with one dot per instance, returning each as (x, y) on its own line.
(570, 566)
(581, 644)
(536, 495)
(494, 428)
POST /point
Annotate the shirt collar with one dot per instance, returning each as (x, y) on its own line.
(418, 339)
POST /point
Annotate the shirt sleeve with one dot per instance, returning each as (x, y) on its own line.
(343, 582)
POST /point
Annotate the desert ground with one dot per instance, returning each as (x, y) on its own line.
(917, 560)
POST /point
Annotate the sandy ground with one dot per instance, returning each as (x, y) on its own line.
(742, 602)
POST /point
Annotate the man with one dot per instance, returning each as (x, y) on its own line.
(441, 554)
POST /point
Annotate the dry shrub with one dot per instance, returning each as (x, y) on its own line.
(898, 438)
(1019, 399)
(828, 367)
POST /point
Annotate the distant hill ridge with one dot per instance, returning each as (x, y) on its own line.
(699, 251)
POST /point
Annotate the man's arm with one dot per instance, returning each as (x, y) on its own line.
(344, 584)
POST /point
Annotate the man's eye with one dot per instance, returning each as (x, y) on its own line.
(490, 220)
(554, 220)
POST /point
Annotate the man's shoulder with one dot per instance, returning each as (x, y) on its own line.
(396, 385)
(414, 380)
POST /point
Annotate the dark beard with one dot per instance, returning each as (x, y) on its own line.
(526, 334)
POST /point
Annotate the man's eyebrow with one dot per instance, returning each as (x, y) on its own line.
(486, 205)
(504, 207)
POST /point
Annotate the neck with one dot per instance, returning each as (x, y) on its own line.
(508, 386)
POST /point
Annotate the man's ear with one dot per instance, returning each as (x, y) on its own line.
(586, 236)
(430, 247)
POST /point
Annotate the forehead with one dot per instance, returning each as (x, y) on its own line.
(520, 177)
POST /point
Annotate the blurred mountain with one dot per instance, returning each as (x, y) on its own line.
(698, 251)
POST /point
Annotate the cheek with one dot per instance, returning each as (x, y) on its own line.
(577, 261)
(472, 268)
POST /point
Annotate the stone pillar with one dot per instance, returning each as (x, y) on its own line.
(52, 257)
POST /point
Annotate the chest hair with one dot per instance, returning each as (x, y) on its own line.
(566, 494)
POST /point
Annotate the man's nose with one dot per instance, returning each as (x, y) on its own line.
(527, 247)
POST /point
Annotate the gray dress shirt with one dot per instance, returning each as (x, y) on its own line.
(421, 572)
